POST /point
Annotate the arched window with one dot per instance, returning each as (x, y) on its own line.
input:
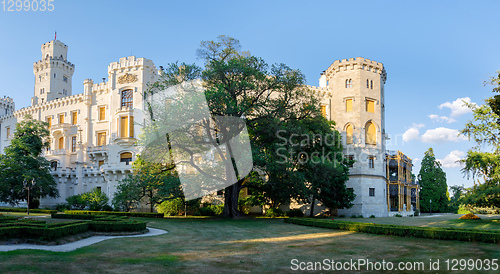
(370, 134)
(127, 98)
(53, 165)
(348, 83)
(349, 133)
(126, 158)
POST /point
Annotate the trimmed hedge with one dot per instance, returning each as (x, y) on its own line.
(114, 213)
(39, 229)
(458, 234)
(17, 209)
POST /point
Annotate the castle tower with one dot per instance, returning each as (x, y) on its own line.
(53, 74)
(357, 107)
(7, 106)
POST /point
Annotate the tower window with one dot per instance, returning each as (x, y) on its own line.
(54, 75)
(351, 158)
(370, 106)
(348, 83)
(371, 191)
(65, 92)
(61, 118)
(370, 134)
(349, 134)
(367, 83)
(348, 105)
(8, 132)
(127, 98)
(49, 120)
(323, 111)
(65, 79)
(371, 162)
(126, 158)
(73, 144)
(371, 84)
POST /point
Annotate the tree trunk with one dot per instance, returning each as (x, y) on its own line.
(151, 204)
(311, 213)
(231, 195)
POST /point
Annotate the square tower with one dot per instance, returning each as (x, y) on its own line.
(53, 73)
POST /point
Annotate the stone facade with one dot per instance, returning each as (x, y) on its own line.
(92, 134)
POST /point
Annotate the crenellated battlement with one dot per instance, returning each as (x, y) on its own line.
(130, 63)
(356, 63)
(6, 100)
(319, 90)
(52, 62)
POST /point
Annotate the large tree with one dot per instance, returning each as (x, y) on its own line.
(240, 86)
(484, 166)
(23, 161)
(432, 180)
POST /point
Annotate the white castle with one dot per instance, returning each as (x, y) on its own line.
(93, 133)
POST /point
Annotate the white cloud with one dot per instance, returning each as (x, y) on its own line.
(441, 135)
(457, 107)
(412, 133)
(451, 160)
(442, 118)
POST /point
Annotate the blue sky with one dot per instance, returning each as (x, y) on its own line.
(435, 52)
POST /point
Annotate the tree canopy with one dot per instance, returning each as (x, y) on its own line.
(267, 98)
(23, 160)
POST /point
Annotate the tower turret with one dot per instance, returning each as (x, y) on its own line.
(53, 73)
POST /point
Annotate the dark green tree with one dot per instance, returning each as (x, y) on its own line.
(23, 160)
(432, 179)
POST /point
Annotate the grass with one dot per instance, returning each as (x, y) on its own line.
(223, 245)
(22, 214)
(489, 222)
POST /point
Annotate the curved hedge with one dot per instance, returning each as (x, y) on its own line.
(17, 209)
(440, 233)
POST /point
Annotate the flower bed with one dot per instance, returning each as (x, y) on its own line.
(469, 216)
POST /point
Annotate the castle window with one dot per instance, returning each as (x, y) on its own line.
(49, 120)
(65, 92)
(54, 75)
(127, 126)
(39, 78)
(101, 138)
(349, 134)
(61, 143)
(8, 132)
(348, 105)
(127, 98)
(367, 83)
(126, 158)
(370, 134)
(323, 111)
(371, 84)
(102, 113)
(371, 162)
(74, 118)
(348, 83)
(101, 163)
(351, 158)
(61, 118)
(42, 90)
(65, 79)
(53, 165)
(73, 144)
(370, 106)
(371, 191)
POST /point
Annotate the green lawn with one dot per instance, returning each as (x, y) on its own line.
(256, 245)
(22, 214)
(490, 222)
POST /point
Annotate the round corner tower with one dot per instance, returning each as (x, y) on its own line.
(357, 107)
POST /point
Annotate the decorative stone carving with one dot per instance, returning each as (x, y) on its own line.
(127, 78)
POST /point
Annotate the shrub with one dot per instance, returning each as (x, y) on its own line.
(417, 212)
(95, 199)
(469, 216)
(398, 215)
(372, 216)
(76, 202)
(62, 207)
(295, 213)
(18, 209)
(360, 216)
(107, 208)
(211, 210)
(171, 207)
(354, 216)
(274, 212)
